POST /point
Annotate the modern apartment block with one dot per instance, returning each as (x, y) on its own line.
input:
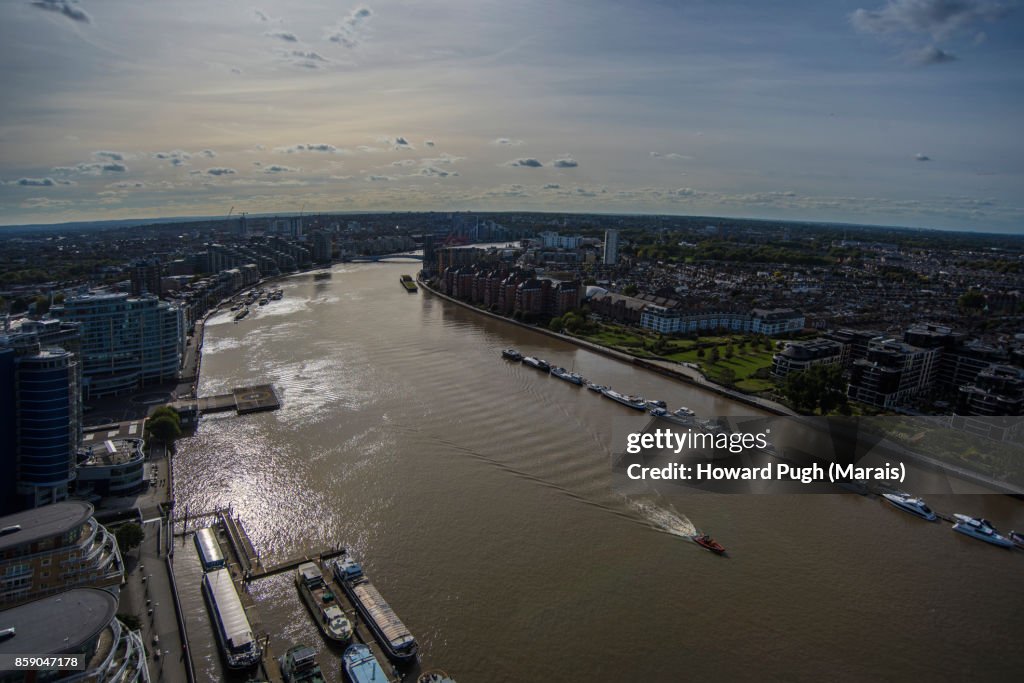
(892, 374)
(997, 391)
(759, 321)
(52, 548)
(799, 356)
(127, 342)
(81, 621)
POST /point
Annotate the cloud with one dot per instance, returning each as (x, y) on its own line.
(309, 54)
(69, 8)
(310, 147)
(507, 141)
(669, 155)
(262, 16)
(125, 185)
(220, 170)
(44, 203)
(930, 55)
(208, 153)
(551, 186)
(280, 169)
(938, 18)
(445, 158)
(349, 31)
(113, 156)
(922, 157)
(428, 143)
(286, 36)
(567, 162)
(94, 168)
(175, 156)
(404, 162)
(528, 163)
(436, 172)
(39, 182)
(401, 141)
(236, 70)
(379, 178)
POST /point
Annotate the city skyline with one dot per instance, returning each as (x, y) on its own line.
(895, 112)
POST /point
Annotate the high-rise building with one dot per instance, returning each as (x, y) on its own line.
(127, 342)
(47, 425)
(892, 373)
(145, 277)
(8, 434)
(611, 247)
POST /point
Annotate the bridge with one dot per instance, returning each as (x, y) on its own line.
(382, 257)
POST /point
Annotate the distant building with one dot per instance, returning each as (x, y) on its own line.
(127, 342)
(145, 278)
(552, 240)
(80, 621)
(674, 320)
(776, 321)
(855, 343)
(53, 548)
(799, 356)
(611, 247)
(892, 374)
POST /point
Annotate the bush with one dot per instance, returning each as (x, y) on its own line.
(129, 536)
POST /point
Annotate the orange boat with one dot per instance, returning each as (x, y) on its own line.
(705, 541)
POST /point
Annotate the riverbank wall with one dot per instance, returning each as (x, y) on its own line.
(660, 367)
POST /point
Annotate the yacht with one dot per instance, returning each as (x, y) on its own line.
(982, 530)
(634, 402)
(683, 411)
(658, 404)
(914, 506)
(1017, 538)
(511, 354)
(538, 363)
(571, 377)
(658, 412)
(596, 387)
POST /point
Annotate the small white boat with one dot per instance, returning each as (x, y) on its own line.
(982, 530)
(914, 506)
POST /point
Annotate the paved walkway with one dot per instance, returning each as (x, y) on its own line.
(147, 593)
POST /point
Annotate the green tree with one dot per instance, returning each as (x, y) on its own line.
(700, 352)
(630, 290)
(727, 376)
(129, 536)
(715, 356)
(557, 324)
(729, 350)
(42, 304)
(820, 387)
(164, 429)
(971, 300)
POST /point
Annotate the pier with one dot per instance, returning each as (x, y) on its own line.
(243, 400)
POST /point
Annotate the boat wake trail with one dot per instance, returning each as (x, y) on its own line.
(668, 520)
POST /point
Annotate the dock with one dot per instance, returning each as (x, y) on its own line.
(242, 400)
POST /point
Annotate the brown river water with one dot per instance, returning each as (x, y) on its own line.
(479, 495)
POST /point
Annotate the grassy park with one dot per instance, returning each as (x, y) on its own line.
(739, 360)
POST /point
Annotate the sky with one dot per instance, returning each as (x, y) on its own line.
(892, 112)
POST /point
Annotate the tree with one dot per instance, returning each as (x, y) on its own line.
(819, 387)
(630, 290)
(729, 350)
(42, 304)
(129, 536)
(556, 324)
(700, 352)
(714, 354)
(164, 428)
(727, 376)
(971, 300)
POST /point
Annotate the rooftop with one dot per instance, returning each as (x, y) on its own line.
(43, 522)
(61, 623)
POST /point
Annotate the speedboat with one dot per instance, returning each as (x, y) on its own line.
(537, 363)
(914, 506)
(982, 530)
(597, 387)
(683, 411)
(708, 543)
(511, 354)
(1018, 539)
(658, 412)
(571, 377)
(658, 404)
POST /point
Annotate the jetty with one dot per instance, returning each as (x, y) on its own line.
(242, 400)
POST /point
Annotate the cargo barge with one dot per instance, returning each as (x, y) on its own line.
(396, 640)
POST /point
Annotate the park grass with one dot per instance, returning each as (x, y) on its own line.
(744, 365)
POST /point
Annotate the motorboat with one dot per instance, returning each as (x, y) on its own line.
(708, 543)
(914, 506)
(982, 530)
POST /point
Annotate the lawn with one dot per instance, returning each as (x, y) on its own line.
(743, 366)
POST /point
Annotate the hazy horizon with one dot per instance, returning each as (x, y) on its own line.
(890, 113)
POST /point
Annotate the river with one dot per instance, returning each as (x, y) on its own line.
(479, 495)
